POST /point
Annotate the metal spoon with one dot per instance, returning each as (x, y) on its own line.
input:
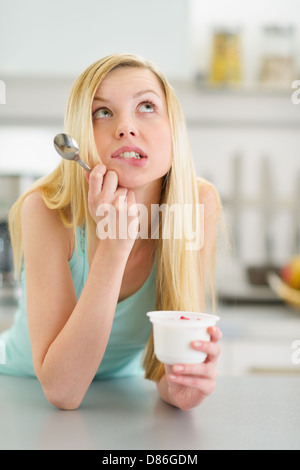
(68, 148)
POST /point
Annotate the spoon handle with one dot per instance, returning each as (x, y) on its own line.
(84, 165)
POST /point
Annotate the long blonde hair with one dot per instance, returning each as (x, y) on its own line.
(180, 278)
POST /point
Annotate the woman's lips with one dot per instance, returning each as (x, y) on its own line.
(132, 155)
(128, 149)
(141, 162)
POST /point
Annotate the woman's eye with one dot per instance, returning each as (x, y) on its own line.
(102, 113)
(146, 107)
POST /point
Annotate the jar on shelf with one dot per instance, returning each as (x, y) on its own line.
(277, 67)
(226, 57)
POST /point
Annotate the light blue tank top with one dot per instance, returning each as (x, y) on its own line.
(130, 330)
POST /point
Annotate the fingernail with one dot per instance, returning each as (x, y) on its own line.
(178, 368)
(172, 377)
(198, 344)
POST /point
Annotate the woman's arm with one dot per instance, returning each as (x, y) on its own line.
(68, 338)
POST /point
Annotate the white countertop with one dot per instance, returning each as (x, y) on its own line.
(242, 413)
(259, 321)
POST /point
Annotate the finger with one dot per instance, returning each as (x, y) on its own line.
(213, 350)
(215, 333)
(204, 370)
(110, 185)
(206, 386)
(96, 180)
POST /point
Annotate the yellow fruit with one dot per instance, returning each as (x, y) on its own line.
(291, 273)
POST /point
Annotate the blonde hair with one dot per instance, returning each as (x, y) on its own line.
(180, 276)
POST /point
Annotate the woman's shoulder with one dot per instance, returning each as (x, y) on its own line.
(209, 196)
(34, 207)
(37, 218)
(33, 199)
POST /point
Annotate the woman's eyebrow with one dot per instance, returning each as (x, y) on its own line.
(143, 92)
(136, 95)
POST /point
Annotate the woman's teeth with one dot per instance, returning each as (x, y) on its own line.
(130, 155)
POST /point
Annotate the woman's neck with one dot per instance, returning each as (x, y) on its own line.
(145, 198)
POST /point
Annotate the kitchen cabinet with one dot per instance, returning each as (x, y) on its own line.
(7, 313)
(258, 340)
(254, 357)
(246, 141)
(12, 185)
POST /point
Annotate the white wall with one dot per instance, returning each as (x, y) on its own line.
(62, 37)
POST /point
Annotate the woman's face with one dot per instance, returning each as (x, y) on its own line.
(131, 126)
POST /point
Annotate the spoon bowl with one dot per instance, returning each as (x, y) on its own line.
(68, 149)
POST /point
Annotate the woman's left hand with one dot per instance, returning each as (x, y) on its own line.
(189, 385)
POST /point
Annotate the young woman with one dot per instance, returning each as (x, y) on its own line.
(85, 298)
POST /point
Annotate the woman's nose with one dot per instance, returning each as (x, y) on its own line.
(126, 128)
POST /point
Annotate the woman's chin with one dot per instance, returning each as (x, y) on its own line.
(137, 179)
(128, 181)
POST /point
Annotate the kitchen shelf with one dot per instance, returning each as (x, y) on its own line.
(246, 108)
(243, 89)
(42, 101)
(233, 123)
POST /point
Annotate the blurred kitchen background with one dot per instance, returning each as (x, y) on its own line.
(232, 64)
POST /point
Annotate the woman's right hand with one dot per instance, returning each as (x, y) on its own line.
(112, 207)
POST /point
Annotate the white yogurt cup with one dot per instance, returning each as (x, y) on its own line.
(173, 333)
